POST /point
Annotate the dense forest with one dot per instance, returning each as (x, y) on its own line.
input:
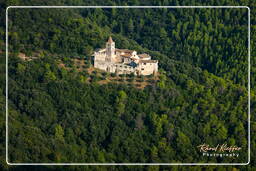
(217, 44)
(201, 95)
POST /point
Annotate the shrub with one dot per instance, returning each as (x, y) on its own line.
(113, 75)
(104, 74)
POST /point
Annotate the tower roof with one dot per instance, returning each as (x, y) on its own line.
(110, 40)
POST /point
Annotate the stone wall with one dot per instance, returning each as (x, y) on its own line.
(123, 69)
(101, 64)
(120, 64)
(148, 68)
(141, 69)
(99, 56)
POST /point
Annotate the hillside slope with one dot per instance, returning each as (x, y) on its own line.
(56, 117)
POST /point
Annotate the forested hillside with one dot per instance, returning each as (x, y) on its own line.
(217, 44)
(201, 95)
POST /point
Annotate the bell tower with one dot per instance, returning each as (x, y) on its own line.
(110, 50)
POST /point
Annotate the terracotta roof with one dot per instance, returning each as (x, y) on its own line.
(134, 58)
(125, 50)
(110, 40)
(126, 55)
(148, 61)
(144, 55)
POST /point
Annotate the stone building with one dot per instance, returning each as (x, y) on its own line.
(124, 61)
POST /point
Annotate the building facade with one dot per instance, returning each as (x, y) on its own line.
(124, 61)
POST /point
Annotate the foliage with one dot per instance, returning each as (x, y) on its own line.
(55, 116)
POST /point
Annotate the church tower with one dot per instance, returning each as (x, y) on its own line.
(110, 50)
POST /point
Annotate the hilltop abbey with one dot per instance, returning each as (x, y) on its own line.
(124, 61)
